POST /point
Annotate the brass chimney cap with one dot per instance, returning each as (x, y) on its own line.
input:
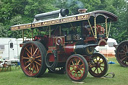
(82, 10)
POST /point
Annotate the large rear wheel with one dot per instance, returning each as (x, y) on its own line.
(32, 59)
(122, 53)
(77, 67)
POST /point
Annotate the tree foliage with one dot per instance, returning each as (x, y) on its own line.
(14, 12)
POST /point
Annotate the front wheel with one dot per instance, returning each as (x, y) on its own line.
(77, 67)
(98, 65)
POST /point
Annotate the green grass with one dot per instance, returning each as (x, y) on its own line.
(17, 77)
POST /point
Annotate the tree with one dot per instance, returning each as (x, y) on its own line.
(14, 12)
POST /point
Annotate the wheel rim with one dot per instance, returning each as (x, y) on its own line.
(76, 68)
(122, 54)
(30, 59)
(98, 65)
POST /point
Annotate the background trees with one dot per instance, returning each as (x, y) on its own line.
(14, 12)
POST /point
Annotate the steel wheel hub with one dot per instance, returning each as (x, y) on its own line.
(31, 59)
(76, 68)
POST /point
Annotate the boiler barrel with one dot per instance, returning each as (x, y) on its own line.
(79, 49)
(53, 14)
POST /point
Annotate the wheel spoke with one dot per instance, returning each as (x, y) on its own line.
(31, 50)
(91, 66)
(100, 69)
(33, 68)
(74, 73)
(35, 51)
(37, 68)
(39, 60)
(126, 48)
(78, 62)
(73, 63)
(71, 70)
(95, 69)
(102, 66)
(121, 53)
(77, 74)
(28, 55)
(38, 53)
(37, 63)
(38, 57)
(71, 66)
(28, 51)
(25, 57)
(102, 62)
(123, 48)
(123, 59)
(82, 69)
(82, 65)
(81, 73)
(26, 62)
(28, 65)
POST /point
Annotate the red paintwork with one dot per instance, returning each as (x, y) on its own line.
(62, 56)
(39, 38)
(50, 42)
(21, 45)
(51, 57)
(64, 48)
(69, 48)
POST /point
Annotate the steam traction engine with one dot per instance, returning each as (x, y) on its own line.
(68, 45)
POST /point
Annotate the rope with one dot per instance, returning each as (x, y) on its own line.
(110, 75)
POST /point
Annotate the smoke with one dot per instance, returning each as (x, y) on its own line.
(75, 3)
(72, 5)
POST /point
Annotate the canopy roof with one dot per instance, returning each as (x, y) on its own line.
(100, 15)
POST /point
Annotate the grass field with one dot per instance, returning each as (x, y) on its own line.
(16, 77)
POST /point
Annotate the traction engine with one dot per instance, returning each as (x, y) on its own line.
(69, 44)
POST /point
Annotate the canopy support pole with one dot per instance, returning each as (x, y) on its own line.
(23, 35)
(109, 29)
(90, 27)
(49, 31)
(95, 28)
(60, 30)
(106, 27)
(32, 34)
